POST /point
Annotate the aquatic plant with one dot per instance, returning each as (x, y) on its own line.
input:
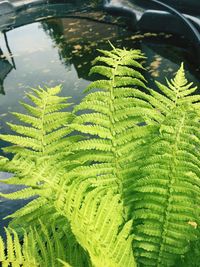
(118, 177)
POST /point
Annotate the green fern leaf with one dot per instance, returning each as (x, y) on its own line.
(114, 109)
(36, 249)
(38, 147)
(134, 170)
(164, 195)
(103, 226)
(12, 253)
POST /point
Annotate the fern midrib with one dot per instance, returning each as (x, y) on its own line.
(169, 189)
(43, 132)
(113, 140)
(178, 94)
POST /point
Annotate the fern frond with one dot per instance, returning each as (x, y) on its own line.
(103, 226)
(137, 162)
(43, 122)
(37, 248)
(115, 108)
(177, 92)
(39, 144)
(12, 253)
(164, 195)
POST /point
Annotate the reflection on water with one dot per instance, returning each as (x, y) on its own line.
(78, 39)
(53, 52)
(60, 51)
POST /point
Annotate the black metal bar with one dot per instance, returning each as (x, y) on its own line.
(9, 50)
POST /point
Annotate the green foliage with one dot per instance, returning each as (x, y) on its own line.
(192, 257)
(116, 181)
(38, 148)
(103, 232)
(35, 167)
(44, 248)
(113, 114)
(165, 195)
(15, 254)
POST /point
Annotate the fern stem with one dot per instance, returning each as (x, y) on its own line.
(112, 122)
(172, 174)
(43, 132)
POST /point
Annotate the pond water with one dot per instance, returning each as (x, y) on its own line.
(59, 51)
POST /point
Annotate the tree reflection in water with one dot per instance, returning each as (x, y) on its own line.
(78, 39)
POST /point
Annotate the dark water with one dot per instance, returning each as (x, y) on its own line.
(59, 51)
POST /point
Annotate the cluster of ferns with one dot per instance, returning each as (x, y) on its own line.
(113, 181)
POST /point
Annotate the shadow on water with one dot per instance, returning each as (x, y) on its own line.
(60, 51)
